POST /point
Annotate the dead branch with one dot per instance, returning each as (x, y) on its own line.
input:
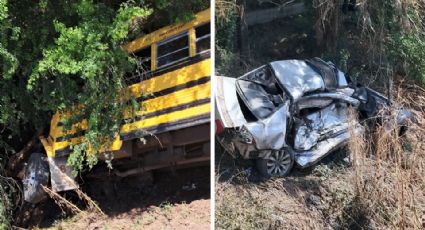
(62, 202)
(92, 205)
(15, 161)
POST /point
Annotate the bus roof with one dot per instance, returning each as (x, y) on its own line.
(166, 32)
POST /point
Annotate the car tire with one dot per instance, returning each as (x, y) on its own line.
(36, 175)
(278, 163)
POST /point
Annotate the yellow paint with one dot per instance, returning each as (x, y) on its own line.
(64, 144)
(173, 78)
(169, 117)
(75, 128)
(153, 56)
(155, 104)
(192, 42)
(166, 32)
(180, 76)
(115, 145)
(170, 79)
(146, 123)
(54, 129)
(170, 100)
(47, 146)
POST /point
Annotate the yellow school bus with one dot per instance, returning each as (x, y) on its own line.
(174, 94)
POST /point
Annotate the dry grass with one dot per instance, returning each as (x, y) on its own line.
(389, 170)
(261, 207)
(327, 25)
(63, 203)
(313, 200)
(92, 205)
(383, 189)
(223, 8)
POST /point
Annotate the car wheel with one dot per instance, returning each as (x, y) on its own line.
(36, 175)
(277, 164)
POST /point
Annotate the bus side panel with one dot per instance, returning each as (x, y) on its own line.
(187, 105)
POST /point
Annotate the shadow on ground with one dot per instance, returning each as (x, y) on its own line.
(136, 194)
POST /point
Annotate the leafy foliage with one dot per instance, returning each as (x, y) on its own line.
(67, 56)
(226, 43)
(390, 35)
(85, 67)
(9, 62)
(406, 43)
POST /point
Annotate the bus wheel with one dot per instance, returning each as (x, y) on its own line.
(36, 175)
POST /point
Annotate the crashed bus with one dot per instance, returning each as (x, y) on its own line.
(174, 92)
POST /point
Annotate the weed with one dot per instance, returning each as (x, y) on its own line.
(388, 193)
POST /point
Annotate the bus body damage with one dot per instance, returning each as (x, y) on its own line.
(295, 111)
(171, 128)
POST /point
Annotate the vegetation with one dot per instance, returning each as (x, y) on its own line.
(67, 56)
(390, 35)
(378, 43)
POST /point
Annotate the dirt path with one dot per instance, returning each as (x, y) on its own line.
(193, 215)
(174, 200)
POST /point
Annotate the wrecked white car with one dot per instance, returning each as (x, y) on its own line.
(292, 111)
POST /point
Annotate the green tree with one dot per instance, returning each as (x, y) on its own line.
(66, 56)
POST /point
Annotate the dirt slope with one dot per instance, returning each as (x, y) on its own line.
(177, 199)
(299, 201)
(193, 215)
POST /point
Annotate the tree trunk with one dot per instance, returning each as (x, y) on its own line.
(16, 161)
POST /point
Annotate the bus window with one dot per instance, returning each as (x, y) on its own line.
(173, 50)
(202, 38)
(144, 56)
